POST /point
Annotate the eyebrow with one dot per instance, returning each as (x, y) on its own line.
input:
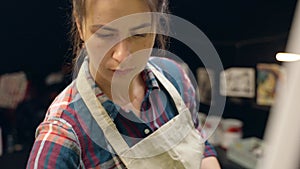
(144, 25)
(97, 27)
(94, 28)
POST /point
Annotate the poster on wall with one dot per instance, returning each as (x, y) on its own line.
(12, 89)
(205, 79)
(238, 82)
(267, 82)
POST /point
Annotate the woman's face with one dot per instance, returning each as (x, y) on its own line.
(114, 44)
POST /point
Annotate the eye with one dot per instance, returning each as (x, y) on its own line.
(105, 36)
(140, 35)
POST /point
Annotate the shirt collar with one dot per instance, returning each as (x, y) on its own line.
(149, 78)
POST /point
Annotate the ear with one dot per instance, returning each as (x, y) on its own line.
(79, 27)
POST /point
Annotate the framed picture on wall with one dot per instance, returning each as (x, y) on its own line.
(267, 82)
(238, 82)
(12, 89)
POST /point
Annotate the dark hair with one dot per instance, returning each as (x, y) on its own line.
(79, 11)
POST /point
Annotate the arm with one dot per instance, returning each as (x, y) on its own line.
(210, 163)
(210, 160)
(55, 147)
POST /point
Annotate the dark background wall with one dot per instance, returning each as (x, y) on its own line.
(34, 33)
(34, 37)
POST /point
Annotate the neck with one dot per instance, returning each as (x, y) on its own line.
(136, 90)
(136, 93)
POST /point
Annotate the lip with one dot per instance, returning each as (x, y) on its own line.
(122, 71)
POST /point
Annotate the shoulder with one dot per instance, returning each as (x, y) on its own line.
(62, 114)
(61, 101)
(176, 74)
(66, 105)
(167, 65)
(172, 70)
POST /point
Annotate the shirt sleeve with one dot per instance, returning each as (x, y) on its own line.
(55, 146)
(209, 150)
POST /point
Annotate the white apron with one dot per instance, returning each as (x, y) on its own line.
(175, 145)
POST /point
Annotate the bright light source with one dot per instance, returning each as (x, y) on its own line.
(287, 57)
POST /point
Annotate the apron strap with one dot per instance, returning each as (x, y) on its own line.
(170, 88)
(100, 115)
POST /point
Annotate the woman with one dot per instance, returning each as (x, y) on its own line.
(122, 110)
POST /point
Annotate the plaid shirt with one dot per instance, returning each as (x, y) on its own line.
(69, 137)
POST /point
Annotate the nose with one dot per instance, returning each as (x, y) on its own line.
(121, 50)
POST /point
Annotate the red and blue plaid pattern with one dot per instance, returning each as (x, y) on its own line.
(70, 138)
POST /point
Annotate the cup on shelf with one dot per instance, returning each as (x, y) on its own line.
(231, 131)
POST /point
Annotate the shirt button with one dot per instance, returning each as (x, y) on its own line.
(146, 131)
